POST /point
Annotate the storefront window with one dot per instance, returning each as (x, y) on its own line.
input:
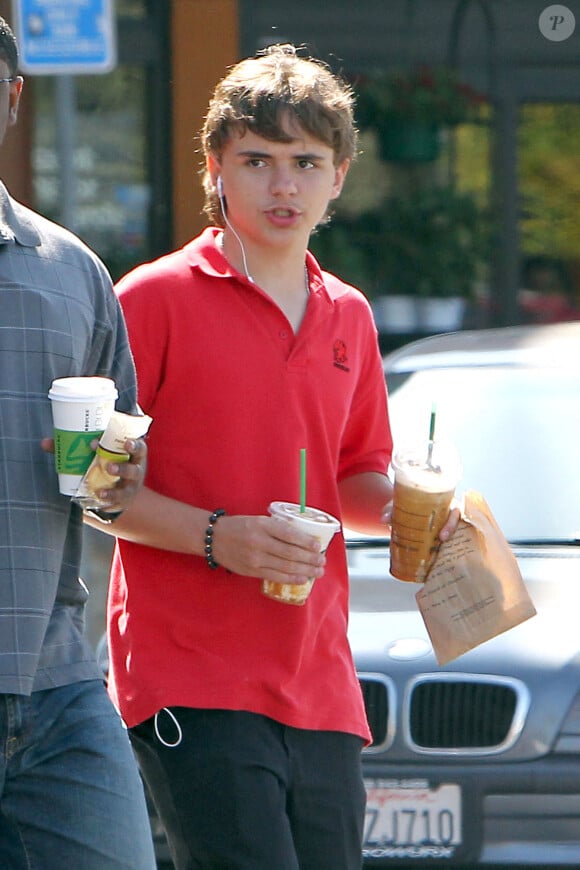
(416, 227)
(100, 167)
(111, 192)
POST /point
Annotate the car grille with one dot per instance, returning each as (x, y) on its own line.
(377, 694)
(459, 713)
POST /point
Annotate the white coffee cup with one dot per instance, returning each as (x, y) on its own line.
(81, 410)
(314, 522)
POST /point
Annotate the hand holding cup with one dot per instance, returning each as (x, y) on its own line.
(314, 522)
(81, 410)
(425, 480)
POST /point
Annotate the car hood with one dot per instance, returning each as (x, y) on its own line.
(388, 636)
(383, 611)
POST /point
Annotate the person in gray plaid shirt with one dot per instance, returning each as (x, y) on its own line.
(70, 791)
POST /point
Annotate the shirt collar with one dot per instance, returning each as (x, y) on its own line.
(206, 255)
(16, 224)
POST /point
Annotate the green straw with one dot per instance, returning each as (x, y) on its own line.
(431, 435)
(432, 423)
(303, 480)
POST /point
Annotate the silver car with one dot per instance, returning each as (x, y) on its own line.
(478, 762)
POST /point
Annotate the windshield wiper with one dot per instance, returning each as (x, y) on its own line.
(366, 543)
(375, 543)
(547, 542)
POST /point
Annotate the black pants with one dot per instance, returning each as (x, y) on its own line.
(242, 792)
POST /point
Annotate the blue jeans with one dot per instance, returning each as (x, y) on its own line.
(70, 791)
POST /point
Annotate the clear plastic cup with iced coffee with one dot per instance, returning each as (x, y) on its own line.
(426, 477)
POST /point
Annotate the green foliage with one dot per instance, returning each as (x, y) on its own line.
(550, 180)
(346, 249)
(433, 242)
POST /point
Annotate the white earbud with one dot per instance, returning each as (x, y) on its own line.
(220, 186)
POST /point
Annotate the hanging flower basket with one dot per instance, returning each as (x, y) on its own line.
(407, 140)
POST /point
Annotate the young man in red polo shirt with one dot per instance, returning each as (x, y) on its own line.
(246, 713)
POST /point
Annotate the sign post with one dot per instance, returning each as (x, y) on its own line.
(65, 37)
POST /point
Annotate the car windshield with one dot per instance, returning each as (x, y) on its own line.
(517, 430)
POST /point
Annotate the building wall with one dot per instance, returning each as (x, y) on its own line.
(205, 41)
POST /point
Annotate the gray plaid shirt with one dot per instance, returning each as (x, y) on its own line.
(59, 317)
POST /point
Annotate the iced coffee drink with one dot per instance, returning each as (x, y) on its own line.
(425, 482)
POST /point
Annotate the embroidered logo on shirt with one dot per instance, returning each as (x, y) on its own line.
(340, 355)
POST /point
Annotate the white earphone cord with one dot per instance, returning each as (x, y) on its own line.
(177, 727)
(228, 223)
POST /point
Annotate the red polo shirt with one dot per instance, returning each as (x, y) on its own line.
(234, 396)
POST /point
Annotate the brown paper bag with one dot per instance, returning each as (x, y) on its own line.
(474, 590)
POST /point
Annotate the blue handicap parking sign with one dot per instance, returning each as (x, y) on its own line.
(65, 36)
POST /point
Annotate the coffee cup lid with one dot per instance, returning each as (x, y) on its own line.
(79, 389)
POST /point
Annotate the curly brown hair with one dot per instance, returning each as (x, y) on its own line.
(260, 93)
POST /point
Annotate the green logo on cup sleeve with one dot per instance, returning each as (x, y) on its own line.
(72, 450)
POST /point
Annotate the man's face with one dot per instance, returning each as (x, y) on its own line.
(9, 99)
(277, 192)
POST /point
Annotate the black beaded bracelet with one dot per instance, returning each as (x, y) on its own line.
(106, 517)
(209, 538)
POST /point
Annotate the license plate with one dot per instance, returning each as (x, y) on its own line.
(410, 819)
